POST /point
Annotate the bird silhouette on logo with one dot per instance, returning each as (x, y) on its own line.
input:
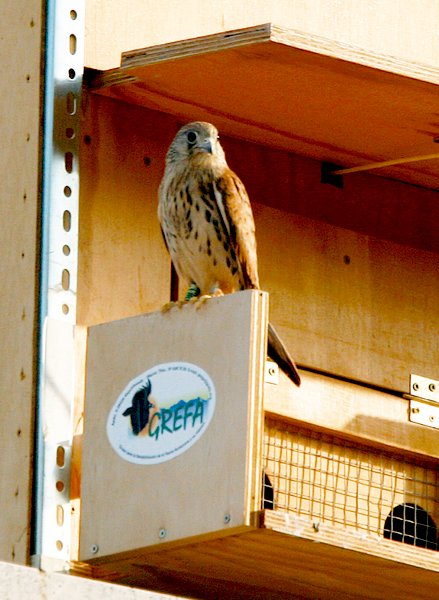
(208, 226)
(139, 409)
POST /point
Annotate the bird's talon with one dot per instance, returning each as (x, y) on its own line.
(169, 305)
(202, 300)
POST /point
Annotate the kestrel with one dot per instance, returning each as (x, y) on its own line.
(208, 226)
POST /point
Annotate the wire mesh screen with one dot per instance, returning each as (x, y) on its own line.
(326, 479)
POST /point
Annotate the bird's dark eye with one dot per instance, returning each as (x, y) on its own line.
(191, 137)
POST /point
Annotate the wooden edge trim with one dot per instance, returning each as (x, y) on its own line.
(200, 45)
(375, 545)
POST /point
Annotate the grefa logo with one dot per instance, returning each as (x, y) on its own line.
(161, 413)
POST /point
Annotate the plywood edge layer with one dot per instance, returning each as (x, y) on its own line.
(290, 524)
(255, 424)
(269, 32)
(96, 79)
(199, 45)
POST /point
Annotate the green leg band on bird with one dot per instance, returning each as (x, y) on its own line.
(192, 292)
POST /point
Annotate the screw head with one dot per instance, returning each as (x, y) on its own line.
(416, 386)
(432, 387)
(94, 549)
(162, 533)
(227, 518)
(415, 410)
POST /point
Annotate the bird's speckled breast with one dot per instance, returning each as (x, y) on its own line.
(197, 237)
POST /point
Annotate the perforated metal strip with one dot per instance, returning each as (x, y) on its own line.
(63, 83)
(64, 174)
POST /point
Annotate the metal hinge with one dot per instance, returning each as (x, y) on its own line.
(424, 401)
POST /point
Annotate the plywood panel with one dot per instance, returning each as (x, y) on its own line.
(348, 304)
(368, 204)
(387, 27)
(124, 267)
(352, 410)
(389, 550)
(269, 565)
(220, 474)
(370, 111)
(20, 49)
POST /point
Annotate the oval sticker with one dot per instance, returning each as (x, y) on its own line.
(161, 413)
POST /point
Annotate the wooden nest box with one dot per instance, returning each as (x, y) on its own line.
(242, 490)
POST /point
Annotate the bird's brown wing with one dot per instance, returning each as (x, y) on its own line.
(236, 213)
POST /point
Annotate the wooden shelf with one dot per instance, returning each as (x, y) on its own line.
(292, 91)
(277, 562)
(367, 415)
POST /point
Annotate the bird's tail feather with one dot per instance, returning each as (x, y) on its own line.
(278, 353)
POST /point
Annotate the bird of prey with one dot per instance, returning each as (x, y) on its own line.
(208, 226)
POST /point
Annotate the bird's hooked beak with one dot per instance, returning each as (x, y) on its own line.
(207, 145)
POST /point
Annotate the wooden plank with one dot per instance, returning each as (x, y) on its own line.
(273, 32)
(383, 208)
(221, 470)
(367, 114)
(268, 564)
(80, 358)
(112, 29)
(359, 542)
(124, 268)
(351, 410)
(20, 46)
(345, 303)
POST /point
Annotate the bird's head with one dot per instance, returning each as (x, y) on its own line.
(199, 141)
